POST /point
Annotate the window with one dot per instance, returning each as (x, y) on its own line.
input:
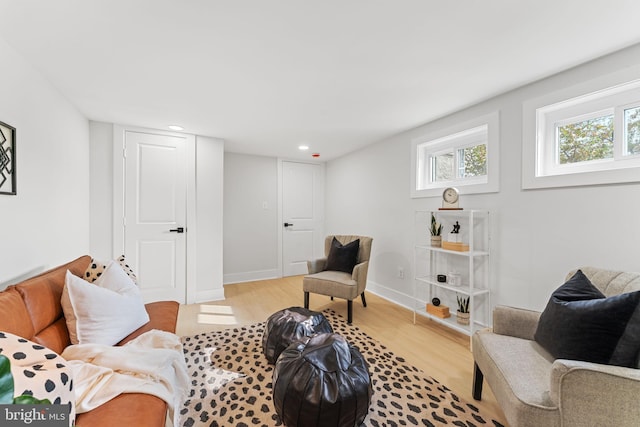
(457, 156)
(631, 127)
(585, 140)
(473, 161)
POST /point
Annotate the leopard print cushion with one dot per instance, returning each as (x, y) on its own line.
(402, 394)
(96, 268)
(38, 372)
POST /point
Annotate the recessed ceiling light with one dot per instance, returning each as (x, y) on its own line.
(175, 127)
(303, 147)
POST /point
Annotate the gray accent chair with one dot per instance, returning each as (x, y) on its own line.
(535, 390)
(337, 283)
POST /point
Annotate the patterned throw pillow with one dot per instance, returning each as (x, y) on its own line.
(127, 269)
(96, 268)
(38, 372)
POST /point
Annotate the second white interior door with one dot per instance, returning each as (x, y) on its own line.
(302, 214)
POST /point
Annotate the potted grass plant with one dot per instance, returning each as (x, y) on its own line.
(462, 315)
(436, 230)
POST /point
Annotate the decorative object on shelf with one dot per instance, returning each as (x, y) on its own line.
(436, 230)
(435, 301)
(441, 278)
(7, 159)
(462, 315)
(450, 199)
(441, 311)
(454, 279)
(458, 247)
(454, 236)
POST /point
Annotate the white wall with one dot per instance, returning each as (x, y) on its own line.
(538, 235)
(209, 238)
(47, 222)
(250, 230)
(367, 193)
(101, 197)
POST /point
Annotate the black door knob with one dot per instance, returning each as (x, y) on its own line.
(287, 224)
(177, 230)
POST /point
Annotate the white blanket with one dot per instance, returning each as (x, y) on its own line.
(152, 363)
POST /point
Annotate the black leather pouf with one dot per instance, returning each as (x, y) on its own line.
(322, 381)
(288, 326)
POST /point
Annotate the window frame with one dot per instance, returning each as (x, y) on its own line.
(543, 116)
(451, 139)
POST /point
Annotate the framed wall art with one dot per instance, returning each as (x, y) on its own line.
(7, 159)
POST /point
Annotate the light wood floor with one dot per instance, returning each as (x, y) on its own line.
(438, 351)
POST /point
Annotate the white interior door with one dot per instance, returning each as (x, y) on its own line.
(155, 213)
(302, 214)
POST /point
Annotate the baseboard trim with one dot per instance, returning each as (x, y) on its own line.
(391, 295)
(210, 295)
(250, 276)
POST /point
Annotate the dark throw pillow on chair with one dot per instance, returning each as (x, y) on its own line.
(343, 257)
(580, 323)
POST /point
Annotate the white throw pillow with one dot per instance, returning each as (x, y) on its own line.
(104, 312)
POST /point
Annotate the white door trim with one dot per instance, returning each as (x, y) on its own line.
(119, 197)
(280, 198)
(280, 220)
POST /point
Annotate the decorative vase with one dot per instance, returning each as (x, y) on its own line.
(462, 318)
(454, 279)
(436, 241)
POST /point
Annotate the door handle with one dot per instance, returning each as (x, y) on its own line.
(288, 224)
(177, 230)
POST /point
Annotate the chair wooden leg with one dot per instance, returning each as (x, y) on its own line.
(306, 300)
(478, 377)
(349, 311)
(364, 301)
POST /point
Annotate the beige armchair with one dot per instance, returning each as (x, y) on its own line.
(339, 284)
(535, 390)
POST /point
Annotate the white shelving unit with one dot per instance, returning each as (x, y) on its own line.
(473, 266)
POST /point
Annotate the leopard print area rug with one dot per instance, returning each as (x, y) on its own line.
(231, 384)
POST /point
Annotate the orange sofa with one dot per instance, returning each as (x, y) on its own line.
(32, 309)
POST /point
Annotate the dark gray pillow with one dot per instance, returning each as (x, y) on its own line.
(343, 257)
(580, 323)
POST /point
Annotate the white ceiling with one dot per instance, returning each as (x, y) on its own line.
(268, 75)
